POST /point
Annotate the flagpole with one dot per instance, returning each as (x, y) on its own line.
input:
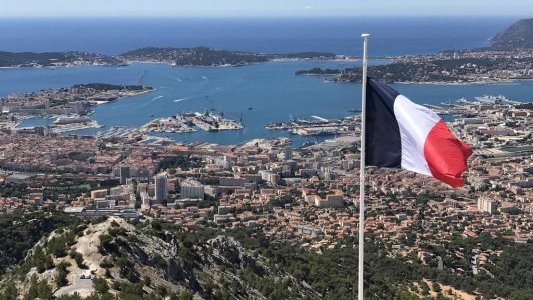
(362, 169)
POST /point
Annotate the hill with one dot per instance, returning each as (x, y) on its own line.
(204, 56)
(19, 233)
(152, 259)
(116, 258)
(517, 36)
(200, 56)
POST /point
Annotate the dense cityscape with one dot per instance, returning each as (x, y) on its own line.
(293, 195)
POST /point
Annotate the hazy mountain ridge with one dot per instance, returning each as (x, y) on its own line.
(517, 36)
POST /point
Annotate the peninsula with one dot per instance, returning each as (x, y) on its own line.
(203, 56)
(198, 56)
(54, 59)
(509, 58)
(69, 106)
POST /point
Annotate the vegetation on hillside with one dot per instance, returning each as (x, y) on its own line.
(157, 259)
(20, 232)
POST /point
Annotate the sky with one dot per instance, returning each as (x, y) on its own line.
(262, 8)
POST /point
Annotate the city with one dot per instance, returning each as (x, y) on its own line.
(308, 194)
(175, 150)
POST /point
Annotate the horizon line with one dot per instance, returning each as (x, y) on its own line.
(262, 16)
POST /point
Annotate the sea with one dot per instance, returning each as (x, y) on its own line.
(259, 93)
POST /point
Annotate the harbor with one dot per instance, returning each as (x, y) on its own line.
(262, 93)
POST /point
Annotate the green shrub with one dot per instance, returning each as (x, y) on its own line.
(100, 285)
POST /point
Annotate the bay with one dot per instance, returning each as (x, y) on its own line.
(271, 90)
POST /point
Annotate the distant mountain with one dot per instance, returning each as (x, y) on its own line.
(517, 36)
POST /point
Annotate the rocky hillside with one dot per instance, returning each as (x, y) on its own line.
(517, 36)
(116, 258)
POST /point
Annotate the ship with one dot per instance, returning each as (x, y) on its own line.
(71, 120)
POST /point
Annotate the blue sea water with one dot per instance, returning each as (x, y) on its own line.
(390, 35)
(271, 89)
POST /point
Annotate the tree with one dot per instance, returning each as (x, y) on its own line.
(424, 288)
(57, 246)
(186, 296)
(147, 280)
(61, 274)
(436, 287)
(39, 289)
(10, 292)
(78, 257)
(100, 285)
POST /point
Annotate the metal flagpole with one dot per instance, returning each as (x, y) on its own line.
(362, 170)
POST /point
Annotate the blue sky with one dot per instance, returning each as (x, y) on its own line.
(262, 8)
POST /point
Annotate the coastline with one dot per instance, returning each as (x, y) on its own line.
(502, 82)
(436, 83)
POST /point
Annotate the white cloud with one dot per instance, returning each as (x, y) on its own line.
(308, 7)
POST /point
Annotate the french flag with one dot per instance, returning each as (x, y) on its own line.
(402, 134)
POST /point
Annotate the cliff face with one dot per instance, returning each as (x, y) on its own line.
(517, 36)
